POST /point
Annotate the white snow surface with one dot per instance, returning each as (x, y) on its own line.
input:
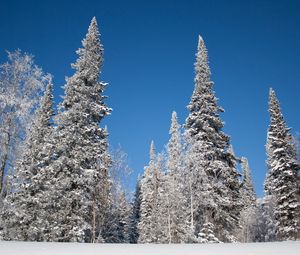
(35, 248)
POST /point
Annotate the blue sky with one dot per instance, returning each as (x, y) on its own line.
(150, 50)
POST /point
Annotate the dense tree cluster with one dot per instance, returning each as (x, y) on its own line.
(59, 182)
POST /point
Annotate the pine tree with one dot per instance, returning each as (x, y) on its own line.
(81, 153)
(153, 223)
(178, 227)
(211, 165)
(281, 181)
(23, 207)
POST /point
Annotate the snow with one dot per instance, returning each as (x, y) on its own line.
(36, 248)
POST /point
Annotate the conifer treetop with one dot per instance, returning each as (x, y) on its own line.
(152, 151)
(91, 55)
(276, 118)
(47, 104)
(203, 106)
(202, 64)
(174, 123)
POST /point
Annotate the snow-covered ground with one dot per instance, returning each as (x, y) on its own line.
(30, 248)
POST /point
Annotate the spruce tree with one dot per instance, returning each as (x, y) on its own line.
(135, 214)
(206, 234)
(23, 207)
(247, 189)
(153, 221)
(117, 229)
(281, 182)
(248, 199)
(81, 158)
(210, 163)
(178, 227)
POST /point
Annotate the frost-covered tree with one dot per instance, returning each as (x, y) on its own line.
(248, 199)
(80, 166)
(265, 226)
(21, 87)
(116, 229)
(209, 162)
(179, 230)
(23, 206)
(281, 181)
(247, 189)
(206, 234)
(135, 214)
(102, 200)
(153, 220)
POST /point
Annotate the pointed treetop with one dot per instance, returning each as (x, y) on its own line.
(174, 115)
(246, 170)
(276, 116)
(90, 58)
(174, 123)
(200, 42)
(49, 86)
(152, 151)
(93, 27)
(201, 66)
(94, 20)
(272, 98)
(46, 104)
(248, 191)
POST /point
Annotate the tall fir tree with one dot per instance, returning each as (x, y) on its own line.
(135, 214)
(153, 222)
(179, 230)
(102, 197)
(210, 163)
(23, 206)
(247, 189)
(117, 229)
(248, 199)
(81, 154)
(281, 182)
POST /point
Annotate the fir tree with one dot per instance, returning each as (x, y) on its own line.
(117, 229)
(211, 165)
(23, 207)
(247, 189)
(81, 158)
(206, 234)
(102, 197)
(178, 227)
(135, 214)
(281, 181)
(153, 223)
(248, 199)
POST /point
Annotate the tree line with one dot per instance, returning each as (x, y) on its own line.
(59, 182)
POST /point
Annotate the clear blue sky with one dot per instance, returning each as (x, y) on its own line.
(149, 55)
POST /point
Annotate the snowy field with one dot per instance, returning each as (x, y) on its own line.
(30, 248)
